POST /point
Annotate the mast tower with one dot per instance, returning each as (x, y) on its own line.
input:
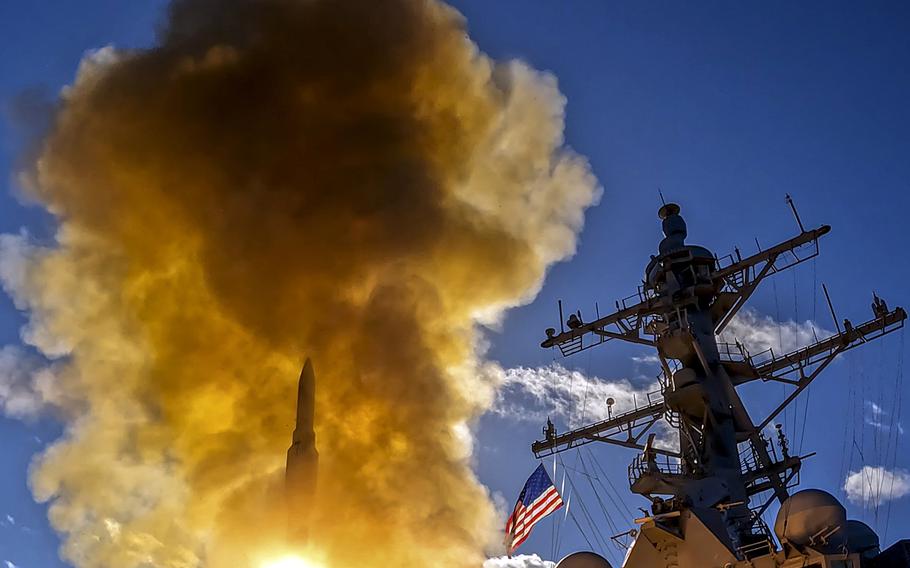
(710, 490)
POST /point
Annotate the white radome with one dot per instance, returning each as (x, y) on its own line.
(583, 560)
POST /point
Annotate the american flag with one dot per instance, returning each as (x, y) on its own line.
(538, 499)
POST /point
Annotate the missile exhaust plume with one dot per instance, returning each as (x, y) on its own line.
(349, 180)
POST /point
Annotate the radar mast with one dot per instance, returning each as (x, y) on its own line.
(712, 486)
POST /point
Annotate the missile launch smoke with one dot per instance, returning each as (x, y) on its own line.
(349, 180)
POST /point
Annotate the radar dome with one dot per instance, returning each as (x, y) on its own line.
(812, 517)
(862, 539)
(583, 560)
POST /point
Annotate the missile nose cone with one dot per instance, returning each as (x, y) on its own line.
(306, 395)
(307, 370)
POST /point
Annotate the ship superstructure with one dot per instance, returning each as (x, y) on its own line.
(707, 498)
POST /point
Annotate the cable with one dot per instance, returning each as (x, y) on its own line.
(613, 487)
(568, 498)
(844, 466)
(554, 525)
(589, 518)
(796, 331)
(780, 344)
(900, 396)
(584, 402)
(578, 525)
(880, 430)
(802, 434)
(603, 507)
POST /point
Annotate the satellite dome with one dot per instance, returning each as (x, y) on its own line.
(862, 539)
(812, 513)
(583, 560)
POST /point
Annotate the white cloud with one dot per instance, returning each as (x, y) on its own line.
(652, 359)
(573, 397)
(9, 564)
(11, 519)
(760, 332)
(570, 396)
(520, 561)
(15, 253)
(872, 486)
(27, 384)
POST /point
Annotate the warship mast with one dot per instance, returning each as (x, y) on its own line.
(706, 493)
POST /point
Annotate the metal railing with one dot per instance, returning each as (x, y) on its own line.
(763, 543)
(644, 465)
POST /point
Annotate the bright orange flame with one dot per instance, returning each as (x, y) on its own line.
(291, 561)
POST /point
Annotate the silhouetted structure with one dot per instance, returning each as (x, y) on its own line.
(707, 497)
(303, 460)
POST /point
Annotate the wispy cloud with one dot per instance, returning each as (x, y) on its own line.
(571, 398)
(521, 561)
(873, 485)
(9, 564)
(759, 332)
(878, 418)
(534, 393)
(646, 359)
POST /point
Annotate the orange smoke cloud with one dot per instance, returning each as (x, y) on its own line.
(349, 180)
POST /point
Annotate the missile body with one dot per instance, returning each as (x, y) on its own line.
(303, 461)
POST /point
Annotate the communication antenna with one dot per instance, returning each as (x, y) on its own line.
(831, 307)
(795, 213)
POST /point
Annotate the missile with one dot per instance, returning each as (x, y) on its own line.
(303, 461)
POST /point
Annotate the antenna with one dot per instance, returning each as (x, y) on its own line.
(661, 194)
(795, 213)
(831, 307)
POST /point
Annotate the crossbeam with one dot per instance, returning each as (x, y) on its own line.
(626, 429)
(628, 323)
(735, 284)
(622, 430)
(738, 281)
(767, 366)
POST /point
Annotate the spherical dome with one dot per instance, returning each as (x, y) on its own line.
(862, 539)
(583, 560)
(810, 513)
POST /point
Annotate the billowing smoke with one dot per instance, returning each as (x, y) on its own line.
(349, 180)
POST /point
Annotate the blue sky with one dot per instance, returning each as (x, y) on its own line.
(725, 107)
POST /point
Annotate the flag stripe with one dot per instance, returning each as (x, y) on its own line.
(526, 527)
(537, 499)
(533, 510)
(535, 515)
(544, 497)
(524, 535)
